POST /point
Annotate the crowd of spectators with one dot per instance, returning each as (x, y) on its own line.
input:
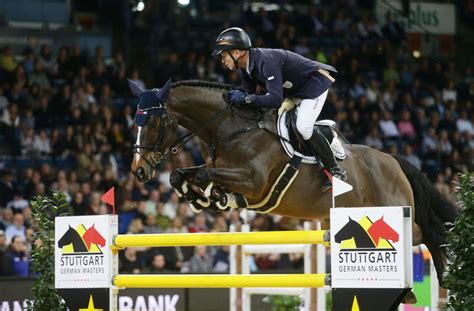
(66, 123)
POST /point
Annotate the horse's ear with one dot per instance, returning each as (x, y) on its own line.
(135, 87)
(163, 93)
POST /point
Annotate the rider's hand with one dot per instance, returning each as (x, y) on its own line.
(236, 97)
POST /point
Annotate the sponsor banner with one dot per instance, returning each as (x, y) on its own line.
(423, 17)
(82, 251)
(369, 247)
(86, 298)
(15, 292)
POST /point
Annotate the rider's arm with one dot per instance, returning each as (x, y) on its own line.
(273, 80)
(247, 83)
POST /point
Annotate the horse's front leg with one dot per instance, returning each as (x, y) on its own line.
(181, 180)
(229, 187)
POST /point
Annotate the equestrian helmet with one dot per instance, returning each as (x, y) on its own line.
(232, 38)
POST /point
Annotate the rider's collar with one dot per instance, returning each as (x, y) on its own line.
(250, 63)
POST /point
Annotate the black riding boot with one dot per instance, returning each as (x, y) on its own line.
(320, 147)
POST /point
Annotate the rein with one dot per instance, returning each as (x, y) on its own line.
(182, 140)
(178, 143)
(260, 125)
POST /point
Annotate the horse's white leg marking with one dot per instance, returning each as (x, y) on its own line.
(207, 191)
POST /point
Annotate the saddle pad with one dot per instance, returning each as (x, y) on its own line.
(283, 131)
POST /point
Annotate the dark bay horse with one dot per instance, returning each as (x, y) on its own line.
(244, 156)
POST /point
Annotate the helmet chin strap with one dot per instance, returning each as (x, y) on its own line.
(236, 61)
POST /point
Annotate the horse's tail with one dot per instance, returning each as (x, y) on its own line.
(433, 213)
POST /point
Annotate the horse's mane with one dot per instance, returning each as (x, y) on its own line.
(206, 84)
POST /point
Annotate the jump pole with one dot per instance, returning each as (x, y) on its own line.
(358, 272)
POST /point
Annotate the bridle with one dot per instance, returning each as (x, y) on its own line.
(156, 148)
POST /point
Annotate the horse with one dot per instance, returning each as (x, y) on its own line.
(244, 158)
(71, 236)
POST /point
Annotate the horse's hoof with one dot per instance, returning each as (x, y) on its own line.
(409, 298)
(176, 179)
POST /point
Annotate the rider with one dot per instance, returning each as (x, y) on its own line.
(281, 73)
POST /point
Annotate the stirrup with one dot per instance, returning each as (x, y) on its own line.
(339, 173)
(327, 186)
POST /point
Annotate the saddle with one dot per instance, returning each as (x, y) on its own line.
(294, 144)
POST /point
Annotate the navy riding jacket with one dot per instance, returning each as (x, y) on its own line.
(283, 73)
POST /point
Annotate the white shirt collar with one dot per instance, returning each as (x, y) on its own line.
(248, 64)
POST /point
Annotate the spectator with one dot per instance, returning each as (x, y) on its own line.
(406, 128)
(7, 61)
(200, 262)
(177, 226)
(411, 157)
(18, 204)
(150, 225)
(158, 265)
(38, 76)
(430, 145)
(373, 140)
(16, 261)
(130, 261)
(41, 144)
(199, 225)
(221, 260)
(390, 74)
(17, 228)
(388, 127)
(463, 124)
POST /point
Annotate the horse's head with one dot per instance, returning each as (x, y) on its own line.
(156, 130)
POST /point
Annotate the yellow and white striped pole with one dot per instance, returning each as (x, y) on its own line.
(219, 280)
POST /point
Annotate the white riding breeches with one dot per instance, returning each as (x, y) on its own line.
(308, 112)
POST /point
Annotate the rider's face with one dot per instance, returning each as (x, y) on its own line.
(227, 61)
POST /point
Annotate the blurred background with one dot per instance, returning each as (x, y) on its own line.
(405, 86)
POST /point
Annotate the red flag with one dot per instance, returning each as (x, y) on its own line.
(109, 198)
